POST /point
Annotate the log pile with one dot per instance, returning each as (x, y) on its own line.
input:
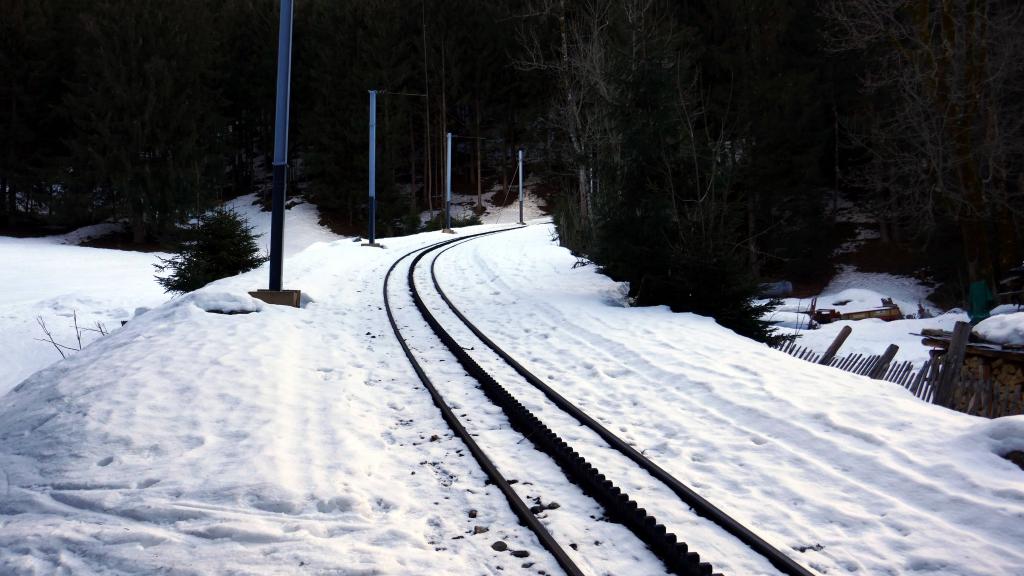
(991, 378)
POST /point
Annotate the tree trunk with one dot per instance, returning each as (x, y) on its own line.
(964, 118)
(444, 124)
(752, 232)
(138, 221)
(4, 215)
(584, 194)
(504, 171)
(412, 160)
(428, 177)
(479, 185)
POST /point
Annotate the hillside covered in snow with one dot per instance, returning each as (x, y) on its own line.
(287, 440)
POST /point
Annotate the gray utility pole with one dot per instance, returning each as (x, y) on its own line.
(448, 187)
(373, 167)
(284, 80)
(521, 186)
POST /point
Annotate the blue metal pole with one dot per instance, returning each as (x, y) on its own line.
(280, 170)
(373, 166)
(521, 186)
(448, 186)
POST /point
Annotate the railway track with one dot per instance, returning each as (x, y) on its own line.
(521, 397)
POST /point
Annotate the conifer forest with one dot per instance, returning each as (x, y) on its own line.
(694, 148)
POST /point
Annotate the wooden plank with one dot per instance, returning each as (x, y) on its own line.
(833, 348)
(918, 380)
(883, 361)
(890, 372)
(977, 349)
(857, 360)
(906, 376)
(952, 364)
(855, 368)
(866, 365)
(934, 371)
(897, 372)
(901, 374)
(973, 402)
(861, 366)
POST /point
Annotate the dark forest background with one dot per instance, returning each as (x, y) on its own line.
(692, 148)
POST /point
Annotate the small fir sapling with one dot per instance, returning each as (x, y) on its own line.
(220, 245)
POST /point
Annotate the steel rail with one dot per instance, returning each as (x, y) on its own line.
(521, 510)
(674, 553)
(701, 506)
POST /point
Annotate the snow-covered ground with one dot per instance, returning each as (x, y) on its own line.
(857, 473)
(44, 278)
(852, 290)
(1003, 329)
(299, 440)
(463, 204)
(53, 278)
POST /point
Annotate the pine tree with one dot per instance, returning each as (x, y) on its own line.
(145, 110)
(220, 245)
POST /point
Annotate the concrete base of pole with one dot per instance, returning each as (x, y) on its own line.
(372, 245)
(448, 231)
(279, 297)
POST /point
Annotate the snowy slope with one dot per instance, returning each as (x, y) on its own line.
(852, 290)
(48, 279)
(860, 474)
(463, 204)
(299, 441)
(54, 278)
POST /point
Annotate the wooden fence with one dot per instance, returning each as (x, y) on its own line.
(939, 381)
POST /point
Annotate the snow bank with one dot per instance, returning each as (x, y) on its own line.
(1000, 436)
(788, 319)
(302, 224)
(44, 279)
(298, 440)
(1002, 329)
(857, 475)
(54, 279)
(224, 302)
(285, 441)
(851, 291)
(464, 204)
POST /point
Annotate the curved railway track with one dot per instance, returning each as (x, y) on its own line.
(618, 506)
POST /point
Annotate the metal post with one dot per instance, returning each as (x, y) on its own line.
(280, 171)
(373, 167)
(521, 186)
(448, 186)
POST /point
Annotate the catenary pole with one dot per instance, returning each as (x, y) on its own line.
(280, 170)
(521, 186)
(373, 167)
(448, 186)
